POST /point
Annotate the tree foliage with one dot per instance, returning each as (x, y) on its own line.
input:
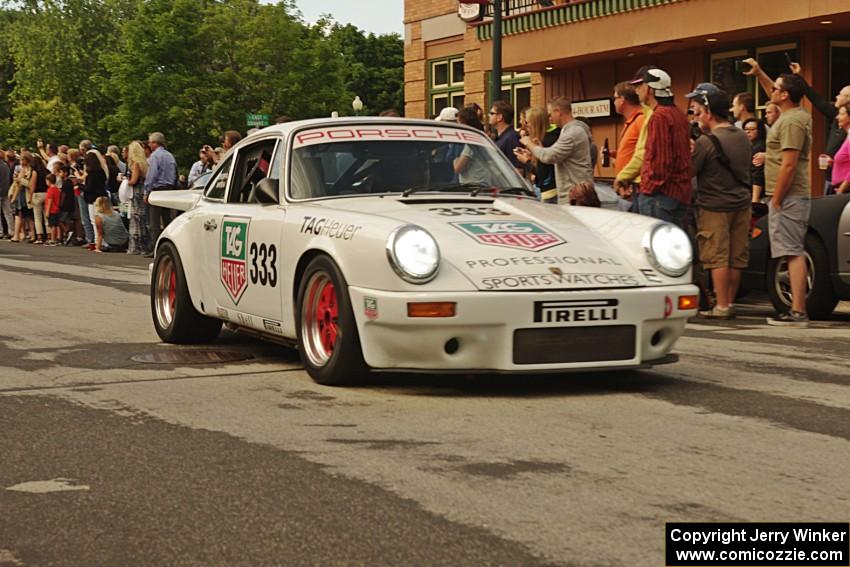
(192, 69)
(51, 120)
(371, 67)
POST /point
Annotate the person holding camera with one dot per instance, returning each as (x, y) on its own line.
(721, 163)
(203, 165)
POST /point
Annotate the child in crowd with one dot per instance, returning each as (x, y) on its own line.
(68, 203)
(51, 206)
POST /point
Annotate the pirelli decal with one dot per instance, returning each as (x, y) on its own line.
(576, 311)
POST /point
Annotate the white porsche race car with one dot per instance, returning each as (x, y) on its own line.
(402, 245)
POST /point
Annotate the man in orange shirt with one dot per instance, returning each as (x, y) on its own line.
(627, 104)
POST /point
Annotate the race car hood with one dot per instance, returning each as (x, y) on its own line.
(511, 244)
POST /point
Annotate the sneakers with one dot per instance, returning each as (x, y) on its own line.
(789, 319)
(718, 313)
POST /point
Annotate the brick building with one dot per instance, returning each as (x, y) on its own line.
(581, 48)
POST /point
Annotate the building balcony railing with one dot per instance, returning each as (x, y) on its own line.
(528, 15)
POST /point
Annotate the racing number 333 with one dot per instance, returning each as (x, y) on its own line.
(263, 260)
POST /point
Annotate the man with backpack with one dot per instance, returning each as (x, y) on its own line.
(721, 163)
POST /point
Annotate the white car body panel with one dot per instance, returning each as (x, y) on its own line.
(509, 263)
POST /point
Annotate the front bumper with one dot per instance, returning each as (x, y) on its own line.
(499, 331)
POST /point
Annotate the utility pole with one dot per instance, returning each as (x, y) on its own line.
(497, 52)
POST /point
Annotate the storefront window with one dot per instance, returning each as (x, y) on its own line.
(839, 66)
(446, 84)
(774, 60)
(516, 89)
(725, 71)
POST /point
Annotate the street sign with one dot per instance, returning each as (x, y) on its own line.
(257, 120)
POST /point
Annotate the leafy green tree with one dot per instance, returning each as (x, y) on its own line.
(51, 120)
(116, 70)
(373, 67)
(57, 48)
(205, 65)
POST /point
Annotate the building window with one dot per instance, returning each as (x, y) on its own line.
(725, 71)
(516, 89)
(446, 84)
(839, 66)
(773, 59)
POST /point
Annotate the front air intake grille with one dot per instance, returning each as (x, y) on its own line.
(562, 345)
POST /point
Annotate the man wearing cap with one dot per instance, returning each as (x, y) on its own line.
(721, 163)
(665, 189)
(448, 114)
(444, 156)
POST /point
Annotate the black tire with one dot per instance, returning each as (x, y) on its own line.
(329, 345)
(821, 299)
(174, 317)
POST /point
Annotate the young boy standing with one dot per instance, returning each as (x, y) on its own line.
(67, 203)
(51, 205)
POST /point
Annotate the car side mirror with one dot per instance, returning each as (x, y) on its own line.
(266, 191)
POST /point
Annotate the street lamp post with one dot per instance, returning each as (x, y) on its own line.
(497, 52)
(357, 105)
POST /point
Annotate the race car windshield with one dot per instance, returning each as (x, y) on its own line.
(352, 168)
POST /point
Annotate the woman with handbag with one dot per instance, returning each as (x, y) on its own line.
(140, 240)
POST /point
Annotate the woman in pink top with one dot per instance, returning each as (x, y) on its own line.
(841, 161)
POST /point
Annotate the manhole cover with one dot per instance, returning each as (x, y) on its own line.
(191, 357)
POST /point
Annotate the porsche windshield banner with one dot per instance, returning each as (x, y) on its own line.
(394, 133)
(234, 251)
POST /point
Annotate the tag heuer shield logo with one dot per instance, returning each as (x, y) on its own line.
(234, 250)
(523, 235)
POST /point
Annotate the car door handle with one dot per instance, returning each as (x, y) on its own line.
(210, 225)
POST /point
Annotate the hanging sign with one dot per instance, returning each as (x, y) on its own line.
(599, 108)
(470, 10)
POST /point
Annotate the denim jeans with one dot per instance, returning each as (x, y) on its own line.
(88, 228)
(662, 207)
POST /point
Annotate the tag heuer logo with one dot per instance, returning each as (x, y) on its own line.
(525, 235)
(234, 249)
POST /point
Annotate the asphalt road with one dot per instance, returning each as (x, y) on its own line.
(109, 461)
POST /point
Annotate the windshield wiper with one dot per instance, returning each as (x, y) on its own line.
(504, 191)
(517, 191)
(449, 187)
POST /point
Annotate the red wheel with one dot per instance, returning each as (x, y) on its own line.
(327, 333)
(320, 321)
(174, 317)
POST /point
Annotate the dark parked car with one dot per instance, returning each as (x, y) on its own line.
(827, 256)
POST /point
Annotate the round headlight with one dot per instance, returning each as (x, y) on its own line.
(413, 254)
(669, 249)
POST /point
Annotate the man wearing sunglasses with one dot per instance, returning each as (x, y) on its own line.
(789, 144)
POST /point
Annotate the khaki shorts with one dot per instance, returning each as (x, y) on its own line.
(724, 238)
(788, 227)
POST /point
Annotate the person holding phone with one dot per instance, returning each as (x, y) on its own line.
(836, 134)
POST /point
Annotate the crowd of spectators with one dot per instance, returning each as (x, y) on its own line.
(62, 195)
(705, 170)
